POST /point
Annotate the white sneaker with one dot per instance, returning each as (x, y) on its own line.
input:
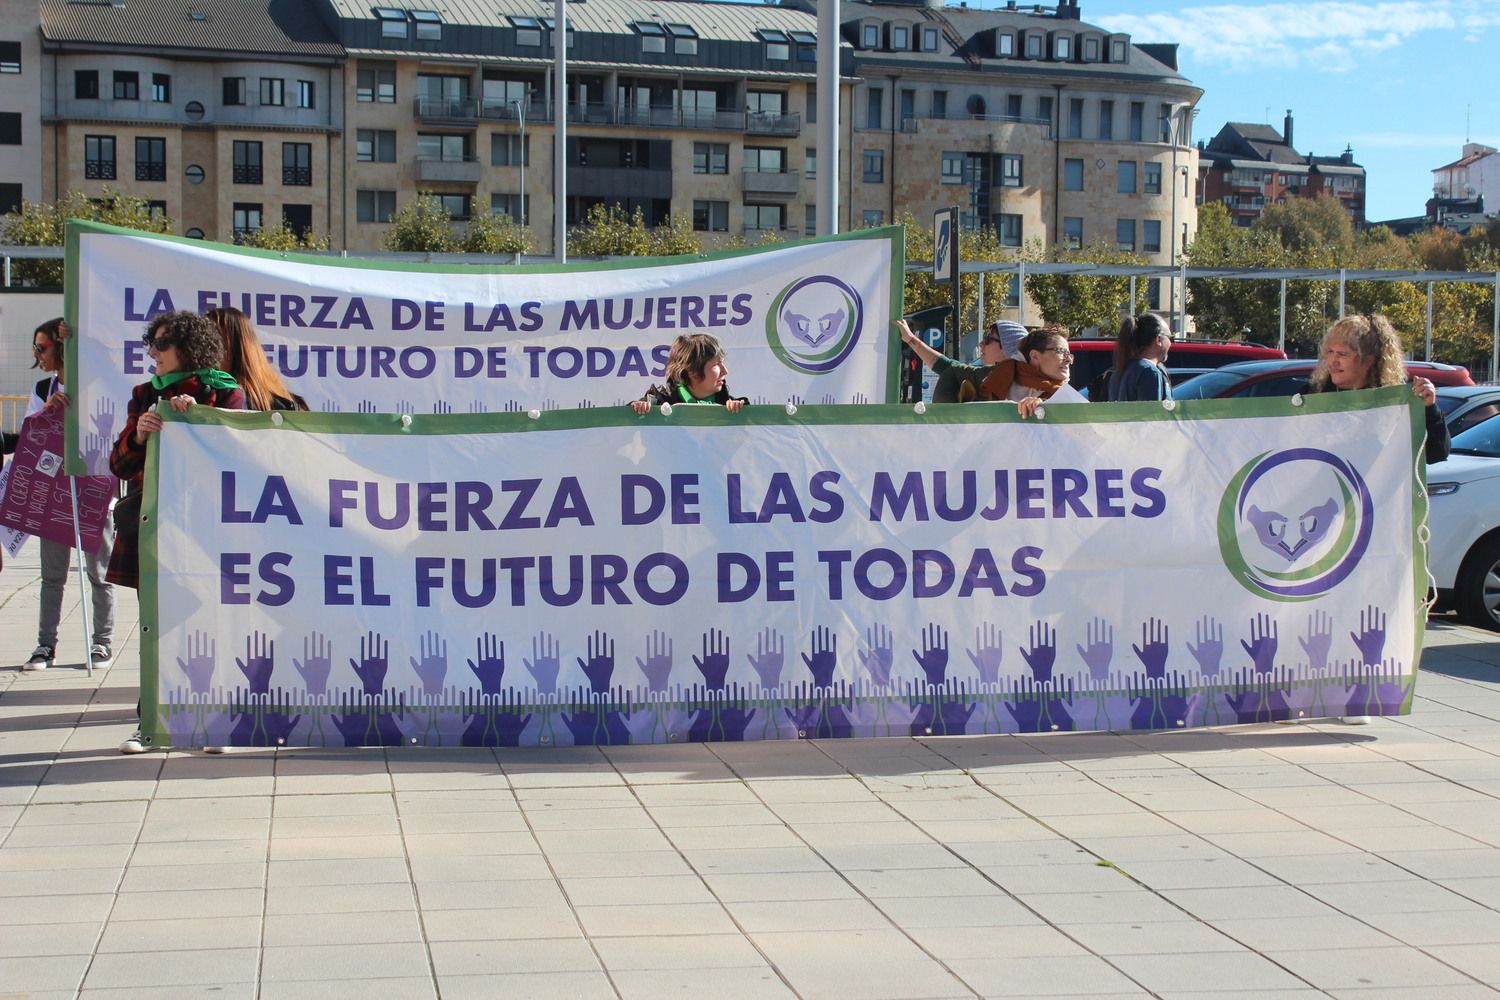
(41, 658)
(134, 744)
(1356, 720)
(100, 655)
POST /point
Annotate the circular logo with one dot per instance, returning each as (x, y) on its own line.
(1293, 524)
(814, 323)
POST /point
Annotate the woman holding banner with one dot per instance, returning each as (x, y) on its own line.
(696, 373)
(47, 352)
(1038, 371)
(245, 360)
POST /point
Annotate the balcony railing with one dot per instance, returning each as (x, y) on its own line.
(772, 123)
(768, 182)
(703, 119)
(246, 174)
(536, 111)
(150, 171)
(463, 110)
(464, 171)
(641, 182)
(99, 170)
(910, 123)
(296, 176)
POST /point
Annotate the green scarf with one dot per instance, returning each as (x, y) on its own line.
(211, 377)
(687, 397)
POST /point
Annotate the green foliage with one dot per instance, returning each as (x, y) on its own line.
(1081, 302)
(496, 234)
(1319, 227)
(40, 224)
(283, 237)
(607, 231)
(422, 225)
(923, 292)
(675, 236)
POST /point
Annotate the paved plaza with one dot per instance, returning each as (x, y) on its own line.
(1266, 861)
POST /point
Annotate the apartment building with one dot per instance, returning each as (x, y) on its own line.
(1248, 166)
(1028, 118)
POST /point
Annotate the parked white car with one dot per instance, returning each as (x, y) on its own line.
(1464, 555)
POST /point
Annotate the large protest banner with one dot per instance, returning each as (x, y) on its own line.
(809, 321)
(592, 576)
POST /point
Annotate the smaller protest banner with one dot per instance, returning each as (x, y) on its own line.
(37, 500)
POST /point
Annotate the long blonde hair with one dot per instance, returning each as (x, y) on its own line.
(1368, 335)
(245, 359)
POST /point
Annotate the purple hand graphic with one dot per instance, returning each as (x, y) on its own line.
(769, 658)
(365, 406)
(1262, 644)
(358, 729)
(95, 447)
(1043, 652)
(316, 663)
(657, 666)
(433, 666)
(180, 726)
(404, 406)
(199, 666)
(1392, 687)
(822, 658)
(374, 661)
(733, 721)
(600, 665)
(879, 656)
(478, 406)
(933, 659)
(948, 718)
(1318, 641)
(1371, 638)
(1152, 652)
(590, 729)
(987, 653)
(489, 663)
(442, 406)
(104, 419)
(1039, 714)
(278, 727)
(715, 661)
(1100, 650)
(259, 661)
(1209, 652)
(544, 663)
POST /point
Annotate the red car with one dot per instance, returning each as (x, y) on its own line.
(1093, 357)
(1285, 377)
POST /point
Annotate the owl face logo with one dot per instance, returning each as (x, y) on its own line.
(1294, 524)
(814, 324)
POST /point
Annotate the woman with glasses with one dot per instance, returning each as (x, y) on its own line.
(1140, 372)
(50, 392)
(959, 382)
(1041, 367)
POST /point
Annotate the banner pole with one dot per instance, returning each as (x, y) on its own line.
(84, 597)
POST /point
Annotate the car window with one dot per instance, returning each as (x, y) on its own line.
(1476, 416)
(1481, 439)
(1206, 386)
(1281, 385)
(1447, 404)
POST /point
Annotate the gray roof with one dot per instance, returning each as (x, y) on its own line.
(283, 27)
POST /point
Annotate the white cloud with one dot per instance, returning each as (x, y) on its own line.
(1332, 36)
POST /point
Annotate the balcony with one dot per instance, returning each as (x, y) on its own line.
(443, 111)
(296, 176)
(764, 182)
(244, 174)
(465, 171)
(150, 170)
(505, 111)
(701, 119)
(772, 123)
(604, 182)
(912, 123)
(99, 170)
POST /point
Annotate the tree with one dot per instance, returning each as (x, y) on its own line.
(922, 291)
(607, 231)
(422, 225)
(284, 238)
(1080, 301)
(40, 224)
(491, 234)
(1314, 227)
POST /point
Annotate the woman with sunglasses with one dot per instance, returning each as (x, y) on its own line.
(959, 382)
(245, 360)
(50, 392)
(1041, 366)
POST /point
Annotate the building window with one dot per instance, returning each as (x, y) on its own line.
(1013, 105)
(194, 174)
(1125, 234)
(528, 31)
(872, 217)
(976, 107)
(193, 110)
(1044, 109)
(161, 88)
(765, 160)
(812, 104)
(1010, 170)
(10, 128)
(1106, 120)
(375, 86)
(374, 206)
(85, 84)
(194, 233)
(506, 204)
(1073, 231)
(234, 90)
(710, 157)
(1117, 50)
(1075, 118)
(272, 91)
(874, 166)
(810, 219)
(375, 145)
(156, 210)
(1151, 235)
(507, 150)
(900, 38)
(1091, 49)
(392, 22)
(764, 216)
(1125, 177)
(778, 45)
(1153, 178)
(150, 159)
(307, 94)
(297, 218)
(436, 146)
(247, 220)
(1013, 292)
(1033, 45)
(1137, 120)
(653, 36)
(99, 157)
(296, 164)
(953, 167)
(247, 162)
(874, 107)
(940, 104)
(929, 39)
(1008, 227)
(685, 43)
(1062, 47)
(429, 25)
(810, 163)
(10, 57)
(908, 106)
(711, 216)
(1005, 44)
(127, 85)
(1165, 117)
(456, 205)
(1072, 175)
(869, 36)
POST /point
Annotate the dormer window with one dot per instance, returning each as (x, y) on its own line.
(807, 45)
(869, 37)
(653, 36)
(528, 31)
(929, 39)
(1005, 44)
(1119, 50)
(1033, 45)
(900, 38)
(1062, 47)
(778, 44)
(429, 25)
(551, 27)
(684, 39)
(392, 22)
(1091, 49)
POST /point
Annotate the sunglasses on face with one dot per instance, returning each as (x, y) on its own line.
(40, 348)
(159, 342)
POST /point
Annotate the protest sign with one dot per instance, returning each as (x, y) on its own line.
(808, 321)
(592, 576)
(37, 499)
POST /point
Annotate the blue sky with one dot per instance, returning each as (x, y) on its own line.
(1392, 78)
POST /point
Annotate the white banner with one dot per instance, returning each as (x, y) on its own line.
(807, 321)
(591, 576)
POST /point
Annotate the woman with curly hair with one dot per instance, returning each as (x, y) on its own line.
(1364, 352)
(245, 360)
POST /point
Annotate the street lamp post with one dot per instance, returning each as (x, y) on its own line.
(521, 121)
(1173, 133)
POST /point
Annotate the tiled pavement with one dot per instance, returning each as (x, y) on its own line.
(1276, 861)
